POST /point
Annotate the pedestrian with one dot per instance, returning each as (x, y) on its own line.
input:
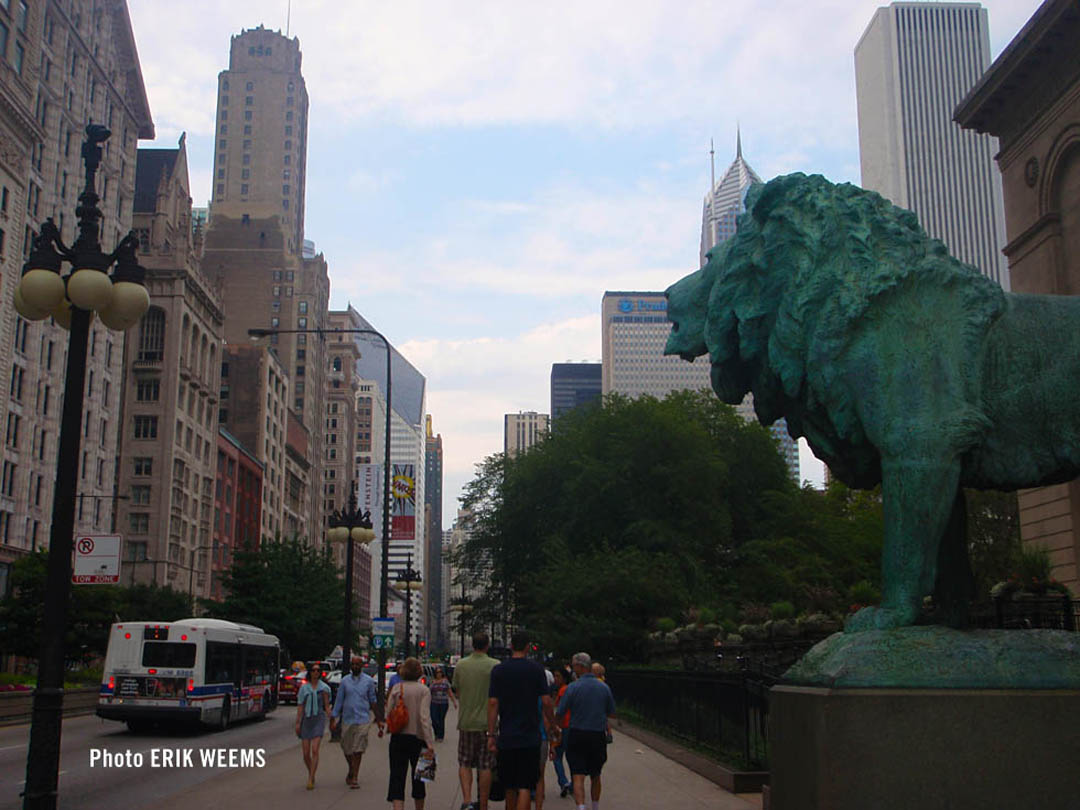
(354, 708)
(441, 696)
(312, 709)
(547, 749)
(590, 705)
(472, 678)
(416, 738)
(562, 680)
(395, 679)
(599, 671)
(516, 685)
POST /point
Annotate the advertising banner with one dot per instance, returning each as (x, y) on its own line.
(369, 495)
(403, 489)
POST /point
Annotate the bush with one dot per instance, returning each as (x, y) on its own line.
(864, 593)
(1034, 566)
(754, 613)
(706, 616)
(665, 625)
(782, 610)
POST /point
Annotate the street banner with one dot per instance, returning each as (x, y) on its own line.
(369, 494)
(382, 634)
(403, 516)
(97, 559)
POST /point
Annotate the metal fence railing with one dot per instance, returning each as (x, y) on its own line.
(727, 713)
(1056, 612)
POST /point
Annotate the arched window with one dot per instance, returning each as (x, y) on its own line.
(337, 364)
(152, 335)
(1066, 203)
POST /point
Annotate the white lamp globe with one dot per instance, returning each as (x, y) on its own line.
(90, 289)
(27, 311)
(362, 535)
(129, 303)
(41, 290)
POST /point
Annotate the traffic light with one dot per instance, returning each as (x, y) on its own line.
(423, 644)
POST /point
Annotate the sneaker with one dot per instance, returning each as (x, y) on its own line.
(564, 792)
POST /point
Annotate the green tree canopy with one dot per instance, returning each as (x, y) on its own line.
(642, 508)
(290, 589)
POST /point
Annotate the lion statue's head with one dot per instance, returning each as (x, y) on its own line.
(777, 306)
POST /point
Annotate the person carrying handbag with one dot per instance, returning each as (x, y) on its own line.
(408, 718)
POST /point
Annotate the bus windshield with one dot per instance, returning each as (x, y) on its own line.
(168, 654)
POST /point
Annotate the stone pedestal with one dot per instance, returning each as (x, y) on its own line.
(898, 749)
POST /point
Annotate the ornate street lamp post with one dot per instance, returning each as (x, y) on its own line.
(347, 525)
(120, 301)
(408, 581)
(384, 574)
(463, 609)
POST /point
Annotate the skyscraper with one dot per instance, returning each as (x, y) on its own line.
(261, 152)
(725, 201)
(253, 245)
(522, 430)
(433, 493)
(914, 63)
(573, 384)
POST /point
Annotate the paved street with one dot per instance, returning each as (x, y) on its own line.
(635, 776)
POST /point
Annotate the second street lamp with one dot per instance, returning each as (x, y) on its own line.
(408, 581)
(384, 566)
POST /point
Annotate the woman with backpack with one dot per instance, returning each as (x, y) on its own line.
(408, 719)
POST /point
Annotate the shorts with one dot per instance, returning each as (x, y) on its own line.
(472, 751)
(354, 737)
(519, 767)
(586, 751)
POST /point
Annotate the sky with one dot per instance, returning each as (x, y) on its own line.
(480, 173)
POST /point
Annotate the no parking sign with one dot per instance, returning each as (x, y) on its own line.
(97, 559)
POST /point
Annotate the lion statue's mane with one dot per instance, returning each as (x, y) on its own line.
(793, 293)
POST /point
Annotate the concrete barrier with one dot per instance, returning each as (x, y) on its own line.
(15, 707)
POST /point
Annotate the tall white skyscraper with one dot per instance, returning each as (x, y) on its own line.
(914, 63)
(725, 201)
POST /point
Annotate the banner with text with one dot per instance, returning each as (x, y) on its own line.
(403, 516)
(369, 493)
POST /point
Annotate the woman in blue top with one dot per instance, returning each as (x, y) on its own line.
(312, 709)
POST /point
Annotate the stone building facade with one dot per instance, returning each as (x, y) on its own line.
(237, 506)
(254, 409)
(1030, 100)
(171, 381)
(61, 65)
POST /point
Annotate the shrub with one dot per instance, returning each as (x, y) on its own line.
(754, 613)
(864, 593)
(665, 625)
(1034, 566)
(782, 610)
(706, 616)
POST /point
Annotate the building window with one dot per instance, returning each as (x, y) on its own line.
(247, 144)
(140, 522)
(147, 390)
(145, 427)
(144, 465)
(247, 115)
(245, 174)
(248, 101)
(152, 335)
(247, 129)
(243, 186)
(250, 86)
(302, 307)
(247, 160)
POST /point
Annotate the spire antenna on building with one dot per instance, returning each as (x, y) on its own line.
(738, 140)
(712, 190)
(288, 17)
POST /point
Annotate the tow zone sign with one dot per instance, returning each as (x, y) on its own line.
(97, 559)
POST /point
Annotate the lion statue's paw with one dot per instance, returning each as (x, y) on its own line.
(879, 618)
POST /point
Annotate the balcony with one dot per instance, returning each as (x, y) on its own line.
(148, 362)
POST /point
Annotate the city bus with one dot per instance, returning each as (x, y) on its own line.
(204, 670)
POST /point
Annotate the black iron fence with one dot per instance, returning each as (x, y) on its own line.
(725, 713)
(1057, 612)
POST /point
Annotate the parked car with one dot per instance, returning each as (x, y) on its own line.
(289, 685)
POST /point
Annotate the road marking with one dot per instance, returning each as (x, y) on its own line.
(6, 747)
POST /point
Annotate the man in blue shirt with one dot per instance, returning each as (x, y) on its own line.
(591, 706)
(354, 705)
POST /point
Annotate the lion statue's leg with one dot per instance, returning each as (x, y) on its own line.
(918, 492)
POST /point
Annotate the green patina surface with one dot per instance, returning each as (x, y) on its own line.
(897, 363)
(943, 658)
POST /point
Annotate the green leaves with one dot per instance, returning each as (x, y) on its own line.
(289, 589)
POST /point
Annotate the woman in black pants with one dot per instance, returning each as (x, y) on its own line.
(416, 738)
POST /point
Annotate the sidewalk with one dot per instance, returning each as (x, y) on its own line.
(635, 777)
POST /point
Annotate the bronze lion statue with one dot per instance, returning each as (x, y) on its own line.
(898, 363)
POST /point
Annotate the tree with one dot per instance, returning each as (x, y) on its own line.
(92, 609)
(993, 530)
(290, 589)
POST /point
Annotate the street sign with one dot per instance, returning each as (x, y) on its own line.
(382, 634)
(97, 559)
